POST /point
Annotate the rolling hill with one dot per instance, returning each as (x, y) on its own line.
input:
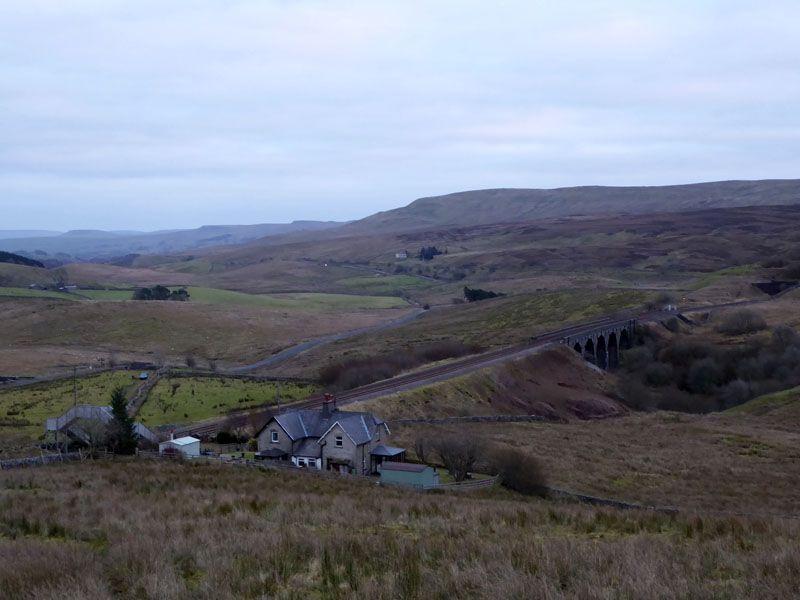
(483, 207)
(93, 245)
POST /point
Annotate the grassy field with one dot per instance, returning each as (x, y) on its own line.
(768, 403)
(712, 278)
(28, 293)
(23, 411)
(393, 285)
(106, 295)
(174, 531)
(171, 331)
(186, 399)
(302, 301)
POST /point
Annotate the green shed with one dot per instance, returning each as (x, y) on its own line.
(409, 475)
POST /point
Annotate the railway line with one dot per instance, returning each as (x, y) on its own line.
(418, 378)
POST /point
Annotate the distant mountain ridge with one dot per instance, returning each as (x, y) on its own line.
(94, 245)
(483, 207)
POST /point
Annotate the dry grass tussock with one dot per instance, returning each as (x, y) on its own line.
(169, 531)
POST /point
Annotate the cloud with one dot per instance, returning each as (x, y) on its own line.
(273, 110)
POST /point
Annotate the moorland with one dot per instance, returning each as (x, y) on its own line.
(699, 420)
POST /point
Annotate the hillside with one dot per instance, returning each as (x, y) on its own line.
(84, 245)
(555, 384)
(482, 207)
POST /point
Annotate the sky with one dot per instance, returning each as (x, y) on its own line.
(159, 114)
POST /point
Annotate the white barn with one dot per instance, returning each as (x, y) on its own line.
(188, 446)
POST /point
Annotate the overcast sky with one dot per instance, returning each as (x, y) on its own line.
(154, 114)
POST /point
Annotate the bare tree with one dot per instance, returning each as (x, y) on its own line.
(421, 445)
(459, 454)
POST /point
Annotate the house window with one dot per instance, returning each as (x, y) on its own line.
(301, 462)
(339, 441)
(274, 437)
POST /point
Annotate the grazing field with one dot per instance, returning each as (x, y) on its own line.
(107, 295)
(172, 531)
(300, 301)
(392, 285)
(28, 293)
(191, 399)
(171, 331)
(23, 411)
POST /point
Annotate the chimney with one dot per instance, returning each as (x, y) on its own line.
(172, 434)
(326, 409)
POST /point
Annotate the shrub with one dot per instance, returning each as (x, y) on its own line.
(636, 359)
(704, 376)
(742, 321)
(658, 374)
(519, 471)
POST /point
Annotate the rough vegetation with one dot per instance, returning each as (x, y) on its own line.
(691, 373)
(172, 531)
(354, 372)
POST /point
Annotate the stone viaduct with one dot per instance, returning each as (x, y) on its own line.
(601, 344)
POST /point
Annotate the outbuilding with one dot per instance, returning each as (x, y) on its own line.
(408, 475)
(188, 446)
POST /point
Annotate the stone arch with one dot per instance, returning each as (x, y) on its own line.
(577, 348)
(613, 351)
(601, 352)
(624, 340)
(588, 351)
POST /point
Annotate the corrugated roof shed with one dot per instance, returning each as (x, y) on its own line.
(409, 467)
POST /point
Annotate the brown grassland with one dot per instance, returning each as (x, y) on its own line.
(163, 530)
(231, 335)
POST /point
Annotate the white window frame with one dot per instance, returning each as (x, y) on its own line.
(274, 438)
(339, 441)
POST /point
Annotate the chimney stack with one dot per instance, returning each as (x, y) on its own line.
(171, 434)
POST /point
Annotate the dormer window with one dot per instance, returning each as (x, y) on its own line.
(339, 441)
(274, 437)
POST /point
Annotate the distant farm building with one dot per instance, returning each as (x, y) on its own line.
(409, 475)
(401, 254)
(187, 446)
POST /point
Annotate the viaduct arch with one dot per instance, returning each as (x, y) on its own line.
(601, 345)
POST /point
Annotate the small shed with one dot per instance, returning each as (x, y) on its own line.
(408, 475)
(188, 446)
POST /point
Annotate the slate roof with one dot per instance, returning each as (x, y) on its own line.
(301, 424)
(387, 451)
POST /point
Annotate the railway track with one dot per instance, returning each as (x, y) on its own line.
(403, 382)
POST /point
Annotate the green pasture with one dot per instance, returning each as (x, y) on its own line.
(191, 399)
(711, 278)
(767, 403)
(23, 411)
(392, 285)
(300, 301)
(28, 293)
(106, 295)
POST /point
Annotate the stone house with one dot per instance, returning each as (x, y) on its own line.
(331, 439)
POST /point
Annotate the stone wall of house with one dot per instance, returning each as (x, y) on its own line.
(345, 453)
(265, 438)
